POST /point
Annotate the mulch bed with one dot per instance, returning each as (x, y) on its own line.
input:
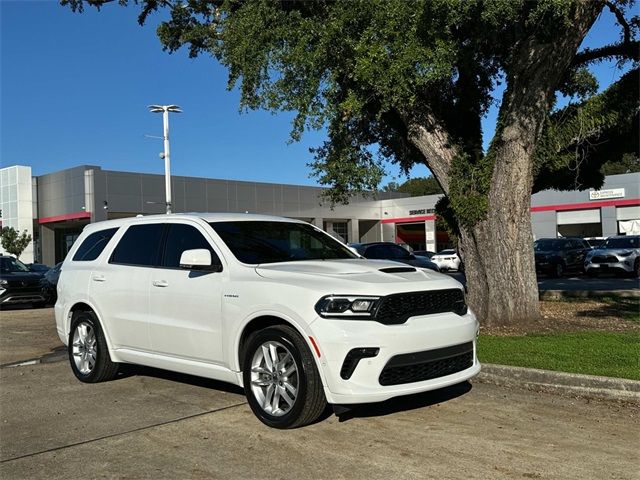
(611, 315)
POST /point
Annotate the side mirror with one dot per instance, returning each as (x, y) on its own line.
(198, 259)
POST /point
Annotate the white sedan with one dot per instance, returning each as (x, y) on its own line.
(447, 260)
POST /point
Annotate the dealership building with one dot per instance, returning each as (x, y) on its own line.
(55, 207)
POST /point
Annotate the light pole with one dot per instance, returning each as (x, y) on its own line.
(165, 109)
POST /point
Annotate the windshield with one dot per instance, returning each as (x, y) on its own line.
(271, 242)
(622, 242)
(548, 245)
(12, 265)
(446, 252)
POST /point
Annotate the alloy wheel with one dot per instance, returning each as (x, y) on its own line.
(274, 378)
(84, 348)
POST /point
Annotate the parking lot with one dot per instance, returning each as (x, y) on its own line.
(154, 424)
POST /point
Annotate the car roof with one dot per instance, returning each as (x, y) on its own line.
(207, 217)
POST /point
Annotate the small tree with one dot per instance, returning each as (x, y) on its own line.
(14, 242)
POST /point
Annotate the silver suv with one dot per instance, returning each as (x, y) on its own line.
(619, 254)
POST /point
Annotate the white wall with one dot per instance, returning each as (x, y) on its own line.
(16, 202)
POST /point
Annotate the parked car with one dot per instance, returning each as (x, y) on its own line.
(556, 256)
(272, 304)
(619, 254)
(38, 267)
(49, 284)
(17, 284)
(448, 260)
(424, 253)
(392, 251)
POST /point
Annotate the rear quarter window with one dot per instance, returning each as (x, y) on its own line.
(93, 245)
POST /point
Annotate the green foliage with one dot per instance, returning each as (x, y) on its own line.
(629, 163)
(580, 138)
(416, 187)
(368, 69)
(14, 242)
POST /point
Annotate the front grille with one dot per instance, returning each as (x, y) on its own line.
(23, 287)
(604, 259)
(421, 366)
(397, 308)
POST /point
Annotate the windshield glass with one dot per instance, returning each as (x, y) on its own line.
(446, 252)
(271, 242)
(11, 265)
(622, 242)
(547, 245)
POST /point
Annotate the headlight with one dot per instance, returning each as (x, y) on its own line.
(3, 282)
(625, 254)
(344, 306)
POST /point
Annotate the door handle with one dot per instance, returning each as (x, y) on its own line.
(160, 283)
(98, 278)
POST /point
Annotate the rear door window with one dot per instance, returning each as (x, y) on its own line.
(93, 245)
(140, 245)
(181, 237)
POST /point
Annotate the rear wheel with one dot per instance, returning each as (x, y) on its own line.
(88, 351)
(281, 380)
(636, 268)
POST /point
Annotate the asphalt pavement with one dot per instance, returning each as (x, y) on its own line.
(155, 424)
(577, 282)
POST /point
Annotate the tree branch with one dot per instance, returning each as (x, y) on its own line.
(629, 50)
(621, 20)
(432, 139)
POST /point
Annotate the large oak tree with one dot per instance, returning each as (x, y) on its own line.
(411, 81)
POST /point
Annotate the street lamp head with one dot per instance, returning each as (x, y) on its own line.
(163, 108)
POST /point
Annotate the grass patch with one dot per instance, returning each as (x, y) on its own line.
(591, 353)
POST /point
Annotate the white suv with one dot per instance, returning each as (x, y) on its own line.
(619, 254)
(272, 304)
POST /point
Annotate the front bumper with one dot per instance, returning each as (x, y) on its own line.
(335, 338)
(20, 296)
(625, 265)
(447, 264)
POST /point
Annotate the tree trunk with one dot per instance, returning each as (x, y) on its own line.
(498, 251)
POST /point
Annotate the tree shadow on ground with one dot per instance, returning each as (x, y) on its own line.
(404, 403)
(626, 308)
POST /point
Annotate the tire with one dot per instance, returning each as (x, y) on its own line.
(281, 399)
(558, 270)
(636, 268)
(592, 273)
(87, 343)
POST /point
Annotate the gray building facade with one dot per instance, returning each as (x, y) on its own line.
(64, 202)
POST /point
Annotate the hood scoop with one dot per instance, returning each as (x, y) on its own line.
(398, 270)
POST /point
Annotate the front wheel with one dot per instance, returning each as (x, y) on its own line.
(88, 351)
(281, 380)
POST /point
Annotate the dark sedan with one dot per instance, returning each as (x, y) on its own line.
(391, 251)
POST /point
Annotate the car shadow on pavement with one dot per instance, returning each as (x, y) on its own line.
(404, 403)
(128, 370)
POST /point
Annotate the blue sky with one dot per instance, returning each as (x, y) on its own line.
(75, 87)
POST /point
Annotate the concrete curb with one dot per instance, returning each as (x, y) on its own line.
(560, 294)
(590, 386)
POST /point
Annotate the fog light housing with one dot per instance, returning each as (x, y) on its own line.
(353, 358)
